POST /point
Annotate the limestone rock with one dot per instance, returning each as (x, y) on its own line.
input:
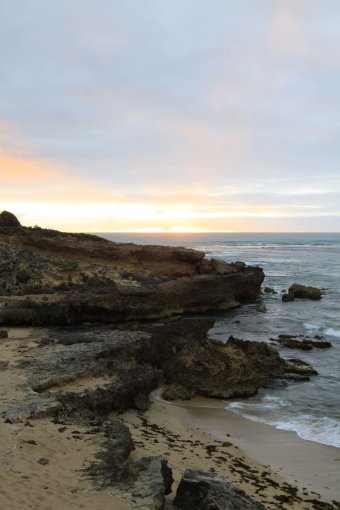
(204, 491)
(111, 466)
(73, 278)
(302, 292)
(153, 481)
(306, 344)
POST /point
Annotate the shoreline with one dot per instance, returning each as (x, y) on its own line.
(288, 455)
(186, 435)
(184, 438)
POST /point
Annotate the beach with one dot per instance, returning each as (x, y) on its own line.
(43, 462)
(275, 467)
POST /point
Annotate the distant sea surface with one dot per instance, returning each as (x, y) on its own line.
(311, 409)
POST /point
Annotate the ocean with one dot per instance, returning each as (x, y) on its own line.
(311, 409)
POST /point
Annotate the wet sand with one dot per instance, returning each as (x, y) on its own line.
(306, 463)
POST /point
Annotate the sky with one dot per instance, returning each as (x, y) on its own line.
(181, 115)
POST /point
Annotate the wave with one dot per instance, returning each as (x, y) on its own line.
(316, 328)
(311, 428)
(332, 332)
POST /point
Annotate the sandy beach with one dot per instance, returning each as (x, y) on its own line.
(309, 464)
(42, 462)
(212, 439)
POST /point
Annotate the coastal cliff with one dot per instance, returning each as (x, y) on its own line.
(50, 277)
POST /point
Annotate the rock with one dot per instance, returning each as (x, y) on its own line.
(112, 458)
(222, 267)
(213, 369)
(269, 290)
(287, 297)
(303, 292)
(204, 491)
(9, 220)
(298, 370)
(305, 344)
(131, 389)
(261, 308)
(3, 333)
(176, 392)
(3, 364)
(77, 278)
(153, 481)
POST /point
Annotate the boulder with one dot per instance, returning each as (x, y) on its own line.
(301, 292)
(118, 444)
(269, 290)
(153, 481)
(204, 491)
(9, 220)
(3, 333)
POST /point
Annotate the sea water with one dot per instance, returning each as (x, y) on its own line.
(311, 409)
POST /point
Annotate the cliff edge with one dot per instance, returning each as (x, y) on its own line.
(52, 277)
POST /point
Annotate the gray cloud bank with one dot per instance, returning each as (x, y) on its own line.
(211, 99)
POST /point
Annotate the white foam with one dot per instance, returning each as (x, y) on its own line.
(320, 430)
(312, 327)
(332, 332)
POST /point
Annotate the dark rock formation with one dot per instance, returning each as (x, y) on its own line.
(269, 290)
(204, 491)
(8, 220)
(73, 278)
(306, 344)
(131, 389)
(301, 291)
(176, 392)
(112, 458)
(134, 363)
(298, 370)
(199, 294)
(153, 481)
(3, 333)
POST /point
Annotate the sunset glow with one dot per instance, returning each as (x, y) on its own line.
(152, 127)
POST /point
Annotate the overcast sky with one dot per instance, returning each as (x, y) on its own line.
(180, 114)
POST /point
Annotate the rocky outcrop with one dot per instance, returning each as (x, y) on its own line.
(111, 464)
(304, 344)
(125, 366)
(200, 294)
(50, 278)
(8, 220)
(153, 481)
(302, 292)
(205, 491)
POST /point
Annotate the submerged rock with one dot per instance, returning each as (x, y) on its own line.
(301, 292)
(306, 344)
(269, 290)
(204, 491)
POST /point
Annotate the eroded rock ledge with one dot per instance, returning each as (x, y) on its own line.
(49, 277)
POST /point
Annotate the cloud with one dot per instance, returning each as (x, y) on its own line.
(138, 102)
